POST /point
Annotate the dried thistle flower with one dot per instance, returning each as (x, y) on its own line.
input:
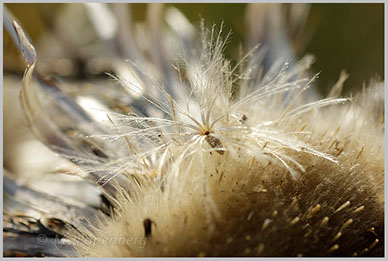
(220, 159)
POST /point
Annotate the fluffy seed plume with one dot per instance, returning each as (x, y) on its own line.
(215, 158)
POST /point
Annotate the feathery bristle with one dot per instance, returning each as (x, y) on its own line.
(221, 159)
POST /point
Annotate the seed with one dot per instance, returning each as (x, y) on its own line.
(147, 223)
(214, 143)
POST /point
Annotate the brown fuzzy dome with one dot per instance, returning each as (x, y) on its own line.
(253, 207)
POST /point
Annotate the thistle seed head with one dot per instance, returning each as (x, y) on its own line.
(221, 159)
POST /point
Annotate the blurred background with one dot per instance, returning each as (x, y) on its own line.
(340, 36)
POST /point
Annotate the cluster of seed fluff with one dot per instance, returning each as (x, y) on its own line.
(233, 162)
(222, 159)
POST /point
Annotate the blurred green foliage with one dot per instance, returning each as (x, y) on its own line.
(345, 36)
(349, 37)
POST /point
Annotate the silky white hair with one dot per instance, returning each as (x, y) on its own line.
(222, 159)
(247, 168)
